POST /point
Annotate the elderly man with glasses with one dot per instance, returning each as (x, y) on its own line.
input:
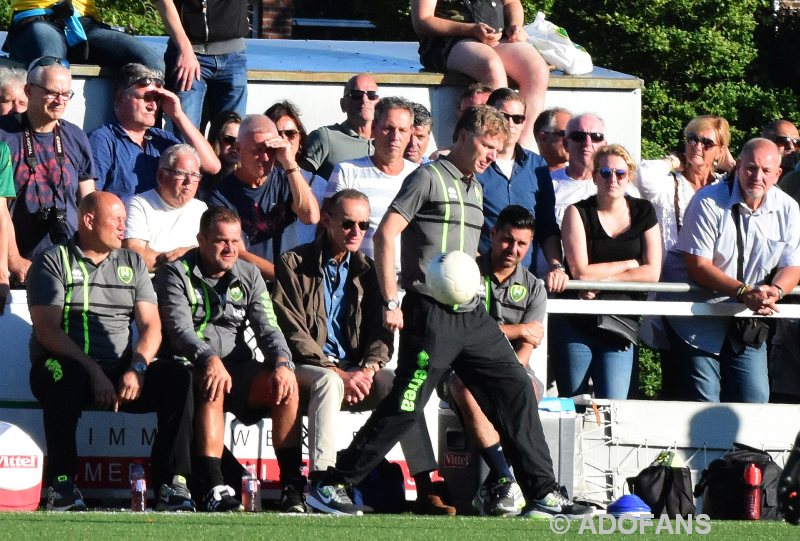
(126, 151)
(52, 165)
(351, 139)
(163, 222)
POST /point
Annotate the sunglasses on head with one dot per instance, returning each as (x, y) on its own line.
(350, 224)
(580, 136)
(45, 61)
(516, 119)
(606, 173)
(697, 140)
(785, 140)
(358, 95)
(227, 139)
(147, 81)
(289, 134)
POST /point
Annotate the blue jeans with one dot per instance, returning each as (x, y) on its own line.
(730, 376)
(580, 355)
(107, 47)
(223, 85)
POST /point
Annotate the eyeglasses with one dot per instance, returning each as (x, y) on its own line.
(557, 133)
(697, 140)
(606, 173)
(53, 95)
(358, 95)
(44, 61)
(516, 119)
(580, 136)
(785, 141)
(347, 225)
(289, 134)
(227, 139)
(183, 176)
(147, 81)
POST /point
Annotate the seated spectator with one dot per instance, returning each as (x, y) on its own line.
(12, 91)
(351, 139)
(612, 237)
(486, 41)
(516, 300)
(784, 134)
(267, 198)
(474, 94)
(740, 241)
(82, 356)
(420, 135)
(520, 177)
(46, 209)
(206, 300)
(328, 301)
(126, 151)
(286, 117)
(222, 134)
(72, 30)
(549, 129)
(380, 176)
(162, 223)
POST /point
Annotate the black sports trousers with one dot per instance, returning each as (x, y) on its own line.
(434, 338)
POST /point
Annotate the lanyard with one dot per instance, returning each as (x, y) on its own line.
(29, 150)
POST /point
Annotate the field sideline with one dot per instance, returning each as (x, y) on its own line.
(230, 527)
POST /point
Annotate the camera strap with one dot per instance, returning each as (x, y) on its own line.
(29, 150)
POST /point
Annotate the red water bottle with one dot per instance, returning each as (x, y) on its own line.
(752, 498)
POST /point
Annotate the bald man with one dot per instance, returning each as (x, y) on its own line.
(740, 242)
(82, 356)
(267, 190)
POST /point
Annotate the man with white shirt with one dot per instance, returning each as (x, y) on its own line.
(379, 176)
(162, 223)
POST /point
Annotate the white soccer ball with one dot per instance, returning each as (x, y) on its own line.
(453, 277)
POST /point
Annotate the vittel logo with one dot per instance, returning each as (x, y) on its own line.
(19, 461)
(456, 460)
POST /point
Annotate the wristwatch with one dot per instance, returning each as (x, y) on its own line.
(287, 364)
(558, 266)
(392, 304)
(140, 368)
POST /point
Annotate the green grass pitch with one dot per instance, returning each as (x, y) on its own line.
(122, 526)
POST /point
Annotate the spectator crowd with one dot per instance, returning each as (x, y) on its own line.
(319, 243)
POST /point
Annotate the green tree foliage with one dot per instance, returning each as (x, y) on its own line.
(138, 17)
(695, 56)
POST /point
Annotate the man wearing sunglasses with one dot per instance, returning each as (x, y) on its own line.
(549, 129)
(379, 176)
(162, 223)
(521, 177)
(126, 151)
(52, 164)
(330, 145)
(328, 303)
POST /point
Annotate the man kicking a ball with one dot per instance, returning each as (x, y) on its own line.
(439, 209)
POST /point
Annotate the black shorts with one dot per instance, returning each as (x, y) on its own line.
(434, 52)
(243, 372)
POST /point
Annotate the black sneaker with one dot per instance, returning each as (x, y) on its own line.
(293, 499)
(332, 499)
(789, 486)
(62, 495)
(557, 502)
(220, 499)
(175, 496)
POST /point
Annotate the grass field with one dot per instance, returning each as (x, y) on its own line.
(234, 527)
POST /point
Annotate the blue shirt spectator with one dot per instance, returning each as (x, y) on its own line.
(336, 306)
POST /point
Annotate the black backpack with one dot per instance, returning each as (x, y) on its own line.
(666, 490)
(723, 488)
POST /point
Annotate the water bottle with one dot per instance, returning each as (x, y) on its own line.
(752, 498)
(251, 490)
(138, 488)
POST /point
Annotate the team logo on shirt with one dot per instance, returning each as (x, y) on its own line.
(125, 274)
(236, 293)
(452, 193)
(517, 292)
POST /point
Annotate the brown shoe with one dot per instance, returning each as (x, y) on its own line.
(433, 504)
